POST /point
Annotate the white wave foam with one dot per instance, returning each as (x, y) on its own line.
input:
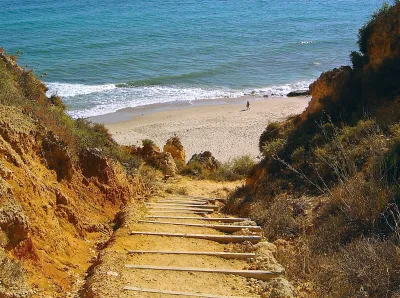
(93, 100)
(283, 90)
(67, 90)
(307, 42)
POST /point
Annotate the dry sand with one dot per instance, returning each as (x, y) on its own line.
(227, 130)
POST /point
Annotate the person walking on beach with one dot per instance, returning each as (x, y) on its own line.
(248, 106)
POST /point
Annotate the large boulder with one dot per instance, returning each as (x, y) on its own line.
(165, 163)
(206, 160)
(175, 148)
(152, 156)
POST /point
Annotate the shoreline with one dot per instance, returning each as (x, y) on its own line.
(127, 114)
(222, 126)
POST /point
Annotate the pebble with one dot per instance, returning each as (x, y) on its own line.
(112, 273)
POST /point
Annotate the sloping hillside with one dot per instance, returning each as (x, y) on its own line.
(61, 184)
(327, 186)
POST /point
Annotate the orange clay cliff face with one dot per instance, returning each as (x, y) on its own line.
(55, 207)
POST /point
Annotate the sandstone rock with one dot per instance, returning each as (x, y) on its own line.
(174, 146)
(152, 155)
(61, 199)
(94, 165)
(278, 288)
(206, 160)
(5, 172)
(265, 247)
(332, 86)
(166, 163)
(266, 257)
(57, 157)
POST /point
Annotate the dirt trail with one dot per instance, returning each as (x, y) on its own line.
(111, 276)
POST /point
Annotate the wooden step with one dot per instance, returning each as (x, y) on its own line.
(257, 274)
(223, 228)
(204, 210)
(217, 238)
(226, 219)
(214, 207)
(181, 202)
(191, 199)
(176, 293)
(177, 212)
(224, 255)
(202, 198)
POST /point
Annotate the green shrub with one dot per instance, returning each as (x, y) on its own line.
(271, 133)
(182, 191)
(274, 148)
(193, 169)
(236, 169)
(148, 143)
(357, 60)
(242, 165)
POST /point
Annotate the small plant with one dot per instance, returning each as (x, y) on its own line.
(148, 143)
(271, 133)
(193, 169)
(182, 191)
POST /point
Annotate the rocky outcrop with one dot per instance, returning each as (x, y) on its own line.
(175, 148)
(330, 87)
(57, 156)
(152, 155)
(206, 160)
(94, 165)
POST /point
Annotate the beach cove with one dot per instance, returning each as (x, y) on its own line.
(226, 129)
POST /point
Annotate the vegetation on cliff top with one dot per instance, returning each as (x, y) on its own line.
(329, 180)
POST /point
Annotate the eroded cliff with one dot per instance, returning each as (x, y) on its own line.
(58, 193)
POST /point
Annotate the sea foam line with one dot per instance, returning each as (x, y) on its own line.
(93, 100)
(69, 90)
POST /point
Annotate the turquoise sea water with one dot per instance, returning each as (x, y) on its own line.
(104, 55)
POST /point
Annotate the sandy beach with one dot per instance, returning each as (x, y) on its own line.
(228, 130)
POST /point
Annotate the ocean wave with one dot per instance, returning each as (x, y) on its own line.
(93, 100)
(68, 90)
(283, 90)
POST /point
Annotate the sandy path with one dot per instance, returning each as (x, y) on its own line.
(226, 130)
(111, 276)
